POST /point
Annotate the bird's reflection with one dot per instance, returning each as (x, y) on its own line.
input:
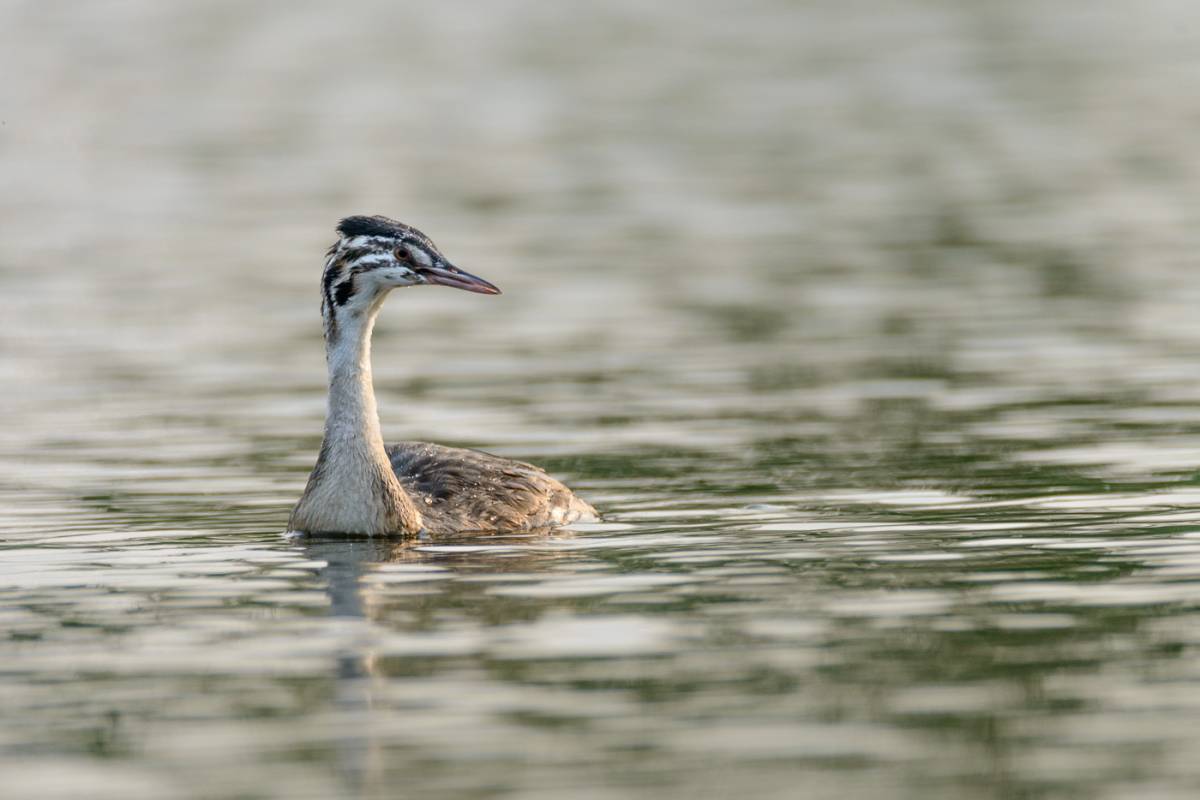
(348, 565)
(349, 559)
(350, 562)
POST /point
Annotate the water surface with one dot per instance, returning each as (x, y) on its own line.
(873, 335)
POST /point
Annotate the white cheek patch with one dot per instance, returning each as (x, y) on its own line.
(421, 257)
(373, 260)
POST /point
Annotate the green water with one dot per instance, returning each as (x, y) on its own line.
(872, 332)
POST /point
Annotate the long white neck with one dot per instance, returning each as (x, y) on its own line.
(353, 489)
(353, 418)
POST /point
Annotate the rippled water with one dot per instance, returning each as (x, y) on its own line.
(874, 335)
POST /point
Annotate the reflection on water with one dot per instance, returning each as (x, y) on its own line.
(874, 337)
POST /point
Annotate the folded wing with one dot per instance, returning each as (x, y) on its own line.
(457, 489)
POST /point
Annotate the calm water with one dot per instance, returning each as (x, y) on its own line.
(874, 333)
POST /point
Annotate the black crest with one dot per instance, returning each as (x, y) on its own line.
(380, 226)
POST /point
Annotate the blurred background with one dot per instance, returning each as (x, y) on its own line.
(871, 327)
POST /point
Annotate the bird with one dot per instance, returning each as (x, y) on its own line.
(359, 485)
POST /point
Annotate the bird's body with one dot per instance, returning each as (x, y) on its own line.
(458, 489)
(359, 485)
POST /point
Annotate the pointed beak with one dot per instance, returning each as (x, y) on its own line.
(446, 274)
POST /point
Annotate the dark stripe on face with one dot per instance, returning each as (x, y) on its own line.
(350, 256)
(344, 291)
(331, 273)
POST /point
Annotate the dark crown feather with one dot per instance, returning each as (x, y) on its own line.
(381, 226)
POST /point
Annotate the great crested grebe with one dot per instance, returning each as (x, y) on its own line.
(361, 486)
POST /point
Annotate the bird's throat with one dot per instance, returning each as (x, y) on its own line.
(352, 417)
(352, 488)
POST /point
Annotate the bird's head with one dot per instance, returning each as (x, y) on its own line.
(374, 255)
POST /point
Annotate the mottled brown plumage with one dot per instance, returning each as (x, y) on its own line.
(457, 489)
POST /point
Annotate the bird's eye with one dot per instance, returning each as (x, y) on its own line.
(402, 255)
